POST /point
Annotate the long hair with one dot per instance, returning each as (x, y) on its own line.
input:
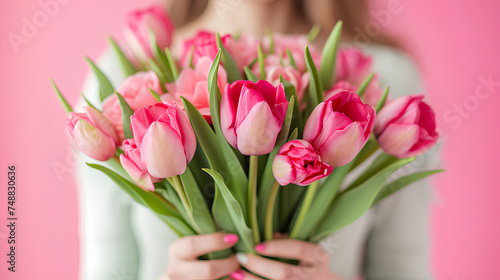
(325, 13)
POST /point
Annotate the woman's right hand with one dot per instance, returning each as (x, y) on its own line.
(183, 263)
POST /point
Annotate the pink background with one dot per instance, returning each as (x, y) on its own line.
(456, 45)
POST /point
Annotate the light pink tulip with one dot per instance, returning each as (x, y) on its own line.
(243, 50)
(406, 127)
(372, 94)
(252, 115)
(352, 66)
(131, 162)
(296, 44)
(339, 127)
(139, 24)
(135, 90)
(93, 134)
(165, 139)
(192, 85)
(298, 163)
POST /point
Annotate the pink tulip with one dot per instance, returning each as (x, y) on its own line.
(165, 139)
(93, 134)
(243, 50)
(352, 66)
(131, 162)
(139, 24)
(372, 94)
(406, 127)
(135, 90)
(339, 127)
(298, 163)
(192, 85)
(252, 115)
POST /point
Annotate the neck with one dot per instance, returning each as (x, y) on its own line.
(253, 16)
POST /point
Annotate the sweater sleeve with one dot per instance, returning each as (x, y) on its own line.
(398, 245)
(108, 249)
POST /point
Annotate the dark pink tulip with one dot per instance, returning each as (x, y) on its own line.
(339, 127)
(131, 162)
(406, 127)
(298, 163)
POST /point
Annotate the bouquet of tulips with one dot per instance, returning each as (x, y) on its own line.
(249, 136)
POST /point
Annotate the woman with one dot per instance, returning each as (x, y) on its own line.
(123, 240)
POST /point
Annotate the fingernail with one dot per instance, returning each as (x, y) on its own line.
(242, 258)
(237, 275)
(260, 248)
(231, 238)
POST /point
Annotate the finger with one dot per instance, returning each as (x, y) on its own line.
(292, 249)
(212, 269)
(243, 275)
(191, 247)
(267, 268)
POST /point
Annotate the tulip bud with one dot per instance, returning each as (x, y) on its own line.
(339, 127)
(298, 163)
(352, 66)
(131, 162)
(93, 134)
(252, 115)
(139, 24)
(406, 127)
(165, 139)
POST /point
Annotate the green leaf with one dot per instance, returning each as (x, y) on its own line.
(271, 40)
(155, 95)
(161, 58)
(368, 150)
(396, 185)
(290, 92)
(233, 72)
(325, 195)
(292, 60)
(197, 205)
(315, 87)
(381, 162)
(329, 56)
(171, 63)
(313, 33)
(62, 100)
(105, 87)
(260, 58)
(127, 67)
(127, 112)
(161, 75)
(87, 101)
(381, 101)
(250, 75)
(219, 154)
(149, 199)
(361, 89)
(352, 204)
(235, 210)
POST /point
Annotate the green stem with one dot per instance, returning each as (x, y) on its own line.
(179, 188)
(311, 191)
(270, 211)
(252, 197)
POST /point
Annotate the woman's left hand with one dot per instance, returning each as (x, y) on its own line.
(314, 262)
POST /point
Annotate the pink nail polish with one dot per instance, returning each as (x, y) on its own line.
(237, 275)
(231, 238)
(260, 248)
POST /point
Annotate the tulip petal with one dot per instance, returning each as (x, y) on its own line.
(228, 115)
(187, 134)
(100, 121)
(257, 133)
(91, 141)
(393, 110)
(398, 139)
(343, 145)
(162, 151)
(314, 123)
(283, 170)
